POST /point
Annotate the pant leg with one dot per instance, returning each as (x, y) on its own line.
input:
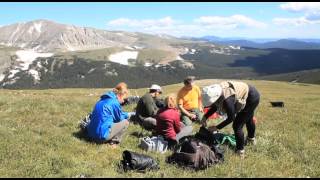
(237, 128)
(149, 123)
(186, 120)
(185, 131)
(252, 102)
(117, 131)
(198, 114)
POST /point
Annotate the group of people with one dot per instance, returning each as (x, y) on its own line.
(173, 117)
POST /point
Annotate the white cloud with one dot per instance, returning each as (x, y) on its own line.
(200, 26)
(167, 21)
(301, 6)
(291, 21)
(311, 12)
(230, 22)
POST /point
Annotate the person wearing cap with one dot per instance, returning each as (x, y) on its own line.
(147, 108)
(189, 101)
(107, 121)
(238, 100)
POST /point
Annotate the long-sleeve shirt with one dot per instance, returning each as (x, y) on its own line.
(168, 123)
(229, 106)
(146, 106)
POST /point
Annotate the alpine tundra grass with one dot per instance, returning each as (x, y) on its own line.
(40, 136)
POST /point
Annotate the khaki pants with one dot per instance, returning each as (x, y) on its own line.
(117, 131)
(187, 121)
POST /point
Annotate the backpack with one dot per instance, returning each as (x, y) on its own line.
(138, 162)
(194, 154)
(155, 143)
(85, 122)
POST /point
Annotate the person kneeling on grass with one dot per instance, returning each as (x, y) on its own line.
(238, 100)
(107, 121)
(169, 124)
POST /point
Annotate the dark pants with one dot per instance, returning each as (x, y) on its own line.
(246, 117)
(148, 123)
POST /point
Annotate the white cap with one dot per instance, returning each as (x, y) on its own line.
(156, 87)
(211, 94)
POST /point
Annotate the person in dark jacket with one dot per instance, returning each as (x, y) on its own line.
(238, 100)
(107, 121)
(169, 124)
(147, 108)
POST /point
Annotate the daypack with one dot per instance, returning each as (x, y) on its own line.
(138, 162)
(213, 139)
(155, 143)
(194, 154)
(85, 122)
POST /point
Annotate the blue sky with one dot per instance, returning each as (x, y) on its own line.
(224, 19)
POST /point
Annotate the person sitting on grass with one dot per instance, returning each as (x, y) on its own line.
(169, 124)
(189, 102)
(107, 121)
(147, 108)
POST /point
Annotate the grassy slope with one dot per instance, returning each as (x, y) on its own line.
(39, 136)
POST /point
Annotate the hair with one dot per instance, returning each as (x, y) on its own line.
(121, 88)
(170, 101)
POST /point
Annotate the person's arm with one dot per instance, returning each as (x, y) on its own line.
(151, 107)
(229, 105)
(200, 100)
(176, 122)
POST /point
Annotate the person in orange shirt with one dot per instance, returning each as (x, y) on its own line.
(190, 102)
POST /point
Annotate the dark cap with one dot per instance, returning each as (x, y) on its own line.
(189, 80)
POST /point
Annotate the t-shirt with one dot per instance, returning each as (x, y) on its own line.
(189, 99)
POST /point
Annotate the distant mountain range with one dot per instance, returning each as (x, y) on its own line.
(44, 54)
(264, 43)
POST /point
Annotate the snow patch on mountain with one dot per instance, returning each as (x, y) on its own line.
(123, 56)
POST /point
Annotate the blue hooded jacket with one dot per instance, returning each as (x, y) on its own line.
(106, 112)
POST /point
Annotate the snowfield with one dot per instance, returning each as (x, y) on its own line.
(25, 58)
(122, 57)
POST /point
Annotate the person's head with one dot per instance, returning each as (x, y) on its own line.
(210, 94)
(170, 101)
(189, 82)
(121, 90)
(155, 90)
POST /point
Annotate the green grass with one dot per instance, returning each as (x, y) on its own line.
(39, 136)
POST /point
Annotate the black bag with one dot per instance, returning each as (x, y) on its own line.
(194, 154)
(205, 136)
(138, 162)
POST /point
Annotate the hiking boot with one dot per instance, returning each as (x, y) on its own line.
(250, 141)
(240, 153)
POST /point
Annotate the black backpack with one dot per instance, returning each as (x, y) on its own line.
(192, 153)
(138, 162)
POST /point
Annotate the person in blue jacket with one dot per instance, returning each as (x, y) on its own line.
(107, 121)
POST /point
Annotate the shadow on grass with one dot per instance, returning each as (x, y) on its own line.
(82, 136)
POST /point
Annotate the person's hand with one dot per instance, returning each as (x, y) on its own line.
(193, 116)
(213, 128)
(201, 109)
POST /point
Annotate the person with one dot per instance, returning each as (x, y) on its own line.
(238, 100)
(147, 108)
(189, 102)
(107, 121)
(169, 124)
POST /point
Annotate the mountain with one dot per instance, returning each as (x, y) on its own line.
(265, 43)
(44, 54)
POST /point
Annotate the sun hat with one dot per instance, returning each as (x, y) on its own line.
(210, 94)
